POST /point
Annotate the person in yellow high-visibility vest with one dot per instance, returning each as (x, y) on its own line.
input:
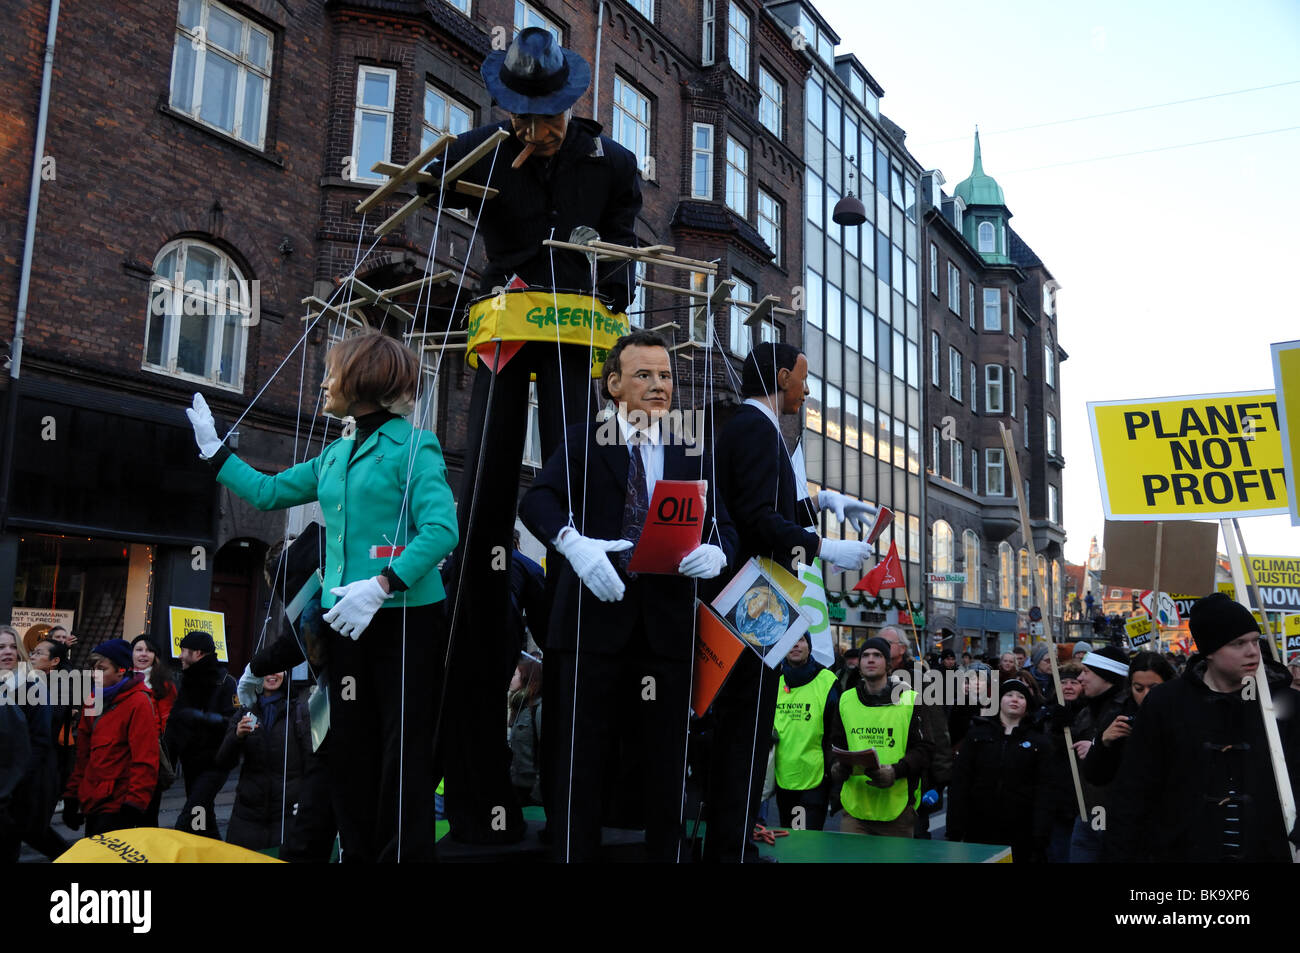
(883, 715)
(806, 695)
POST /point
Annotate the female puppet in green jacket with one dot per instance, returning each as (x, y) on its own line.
(390, 520)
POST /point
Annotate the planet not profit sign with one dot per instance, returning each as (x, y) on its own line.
(1180, 458)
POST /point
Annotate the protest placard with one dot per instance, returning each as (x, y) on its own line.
(1180, 458)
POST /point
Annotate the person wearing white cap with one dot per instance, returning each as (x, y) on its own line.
(1104, 674)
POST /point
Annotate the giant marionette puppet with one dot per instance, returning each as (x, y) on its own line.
(545, 313)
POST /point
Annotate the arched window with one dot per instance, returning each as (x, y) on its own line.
(986, 237)
(1024, 579)
(1058, 588)
(199, 312)
(1040, 595)
(970, 544)
(941, 558)
(1006, 576)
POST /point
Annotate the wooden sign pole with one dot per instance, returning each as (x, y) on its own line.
(1155, 582)
(1281, 776)
(1008, 445)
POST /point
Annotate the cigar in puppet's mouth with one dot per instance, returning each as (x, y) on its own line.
(523, 156)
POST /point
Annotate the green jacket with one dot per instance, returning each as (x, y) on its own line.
(362, 500)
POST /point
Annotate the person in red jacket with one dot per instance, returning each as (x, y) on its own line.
(117, 750)
(157, 675)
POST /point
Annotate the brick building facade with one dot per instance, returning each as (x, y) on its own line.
(230, 142)
(992, 356)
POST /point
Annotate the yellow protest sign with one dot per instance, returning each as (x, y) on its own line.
(198, 620)
(1182, 458)
(1138, 629)
(1286, 379)
(1278, 581)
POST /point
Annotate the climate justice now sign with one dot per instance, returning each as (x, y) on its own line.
(1177, 458)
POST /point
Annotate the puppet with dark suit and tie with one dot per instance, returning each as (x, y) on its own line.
(620, 645)
(765, 491)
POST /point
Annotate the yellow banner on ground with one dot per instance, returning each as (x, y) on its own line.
(153, 845)
(538, 315)
(198, 620)
(1182, 458)
(1286, 379)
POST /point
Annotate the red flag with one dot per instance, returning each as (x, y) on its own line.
(887, 575)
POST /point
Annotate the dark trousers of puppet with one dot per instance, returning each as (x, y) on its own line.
(739, 760)
(616, 705)
(383, 688)
(474, 755)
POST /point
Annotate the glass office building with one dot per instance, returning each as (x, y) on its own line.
(862, 328)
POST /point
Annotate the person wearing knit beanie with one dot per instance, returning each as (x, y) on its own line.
(117, 651)
(1227, 637)
(1216, 620)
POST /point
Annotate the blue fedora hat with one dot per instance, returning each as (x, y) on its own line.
(535, 75)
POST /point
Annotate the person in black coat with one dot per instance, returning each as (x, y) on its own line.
(1146, 670)
(774, 516)
(1103, 682)
(623, 642)
(274, 740)
(998, 793)
(1196, 784)
(204, 703)
(311, 828)
(554, 174)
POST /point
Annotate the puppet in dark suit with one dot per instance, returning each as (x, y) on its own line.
(627, 639)
(773, 514)
(554, 175)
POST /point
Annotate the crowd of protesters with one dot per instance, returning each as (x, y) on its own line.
(1167, 763)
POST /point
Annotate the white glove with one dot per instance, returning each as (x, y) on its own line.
(703, 562)
(845, 554)
(357, 605)
(846, 507)
(589, 559)
(205, 428)
(250, 686)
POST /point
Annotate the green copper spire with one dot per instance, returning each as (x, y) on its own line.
(979, 189)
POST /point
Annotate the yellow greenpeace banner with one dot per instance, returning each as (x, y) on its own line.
(1286, 378)
(536, 315)
(152, 845)
(1182, 458)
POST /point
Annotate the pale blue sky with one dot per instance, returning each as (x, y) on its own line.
(1177, 267)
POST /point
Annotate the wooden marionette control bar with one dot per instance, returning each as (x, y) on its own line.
(413, 172)
(465, 188)
(611, 252)
(435, 279)
(340, 310)
(688, 292)
(399, 175)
